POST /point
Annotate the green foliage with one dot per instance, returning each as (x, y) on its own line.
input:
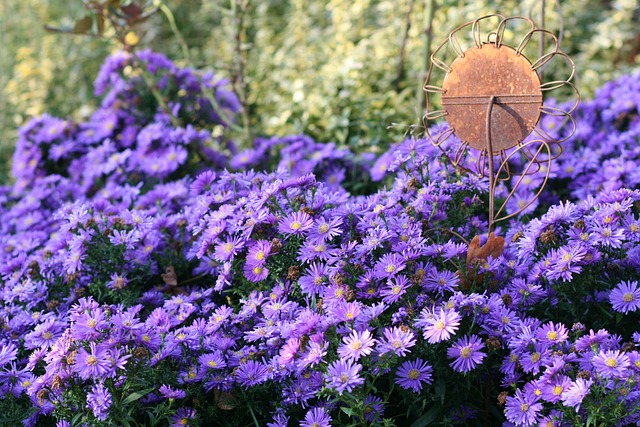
(348, 72)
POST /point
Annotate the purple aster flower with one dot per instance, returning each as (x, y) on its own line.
(438, 327)
(611, 363)
(73, 263)
(289, 351)
(314, 279)
(397, 341)
(279, 420)
(89, 325)
(93, 364)
(373, 408)
(251, 373)
(467, 354)
(463, 413)
(585, 342)
(8, 353)
(212, 360)
(316, 417)
(316, 250)
(379, 168)
(441, 281)
(203, 182)
(258, 253)
(394, 289)
(168, 393)
(117, 281)
(255, 273)
(553, 390)
(389, 265)
(228, 249)
(552, 333)
(523, 409)
(316, 350)
(533, 360)
(99, 401)
(323, 230)
(344, 375)
(295, 223)
(411, 374)
(576, 392)
(608, 236)
(356, 345)
(625, 297)
(183, 417)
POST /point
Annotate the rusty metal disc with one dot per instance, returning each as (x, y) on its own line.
(492, 71)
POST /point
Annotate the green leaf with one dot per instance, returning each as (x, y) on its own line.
(427, 418)
(137, 395)
(347, 411)
(83, 25)
(76, 418)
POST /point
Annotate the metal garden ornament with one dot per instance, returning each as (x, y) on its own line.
(492, 98)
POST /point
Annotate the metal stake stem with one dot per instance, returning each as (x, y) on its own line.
(492, 178)
(541, 47)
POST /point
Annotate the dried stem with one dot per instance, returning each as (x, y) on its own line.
(187, 57)
(429, 12)
(403, 46)
(239, 10)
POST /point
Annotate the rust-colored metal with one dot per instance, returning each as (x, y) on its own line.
(492, 98)
(485, 72)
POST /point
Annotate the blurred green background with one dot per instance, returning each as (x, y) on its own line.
(348, 71)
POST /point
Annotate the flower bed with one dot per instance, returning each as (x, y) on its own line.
(151, 276)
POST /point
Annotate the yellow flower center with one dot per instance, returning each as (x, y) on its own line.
(439, 325)
(413, 374)
(627, 297)
(557, 390)
(552, 335)
(535, 357)
(465, 352)
(611, 362)
(295, 225)
(92, 360)
(323, 228)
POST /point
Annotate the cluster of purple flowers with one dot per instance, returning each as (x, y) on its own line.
(139, 287)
